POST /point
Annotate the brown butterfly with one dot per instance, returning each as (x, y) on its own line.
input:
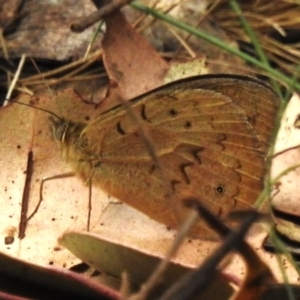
(209, 137)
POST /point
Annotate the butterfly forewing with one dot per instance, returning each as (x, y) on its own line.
(209, 134)
(258, 101)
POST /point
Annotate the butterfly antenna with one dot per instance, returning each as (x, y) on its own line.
(38, 108)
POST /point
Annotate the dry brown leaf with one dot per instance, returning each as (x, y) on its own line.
(129, 59)
(65, 204)
(114, 258)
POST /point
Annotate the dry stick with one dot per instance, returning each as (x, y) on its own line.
(5, 55)
(25, 90)
(85, 63)
(3, 44)
(183, 42)
(139, 21)
(156, 276)
(5, 64)
(84, 77)
(194, 282)
(96, 16)
(74, 64)
(25, 196)
(15, 79)
(54, 81)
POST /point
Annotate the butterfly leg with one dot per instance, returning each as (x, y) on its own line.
(89, 182)
(64, 175)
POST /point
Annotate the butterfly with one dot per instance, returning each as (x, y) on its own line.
(205, 136)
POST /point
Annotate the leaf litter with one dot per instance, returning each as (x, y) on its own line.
(34, 137)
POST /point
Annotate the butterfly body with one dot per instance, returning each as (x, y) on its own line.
(202, 137)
